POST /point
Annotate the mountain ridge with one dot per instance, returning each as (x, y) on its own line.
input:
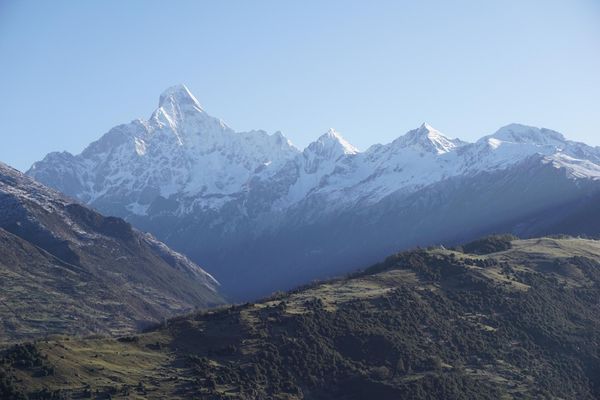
(67, 269)
(190, 142)
(183, 174)
(495, 318)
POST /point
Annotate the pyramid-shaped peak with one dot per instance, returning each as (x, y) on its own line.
(178, 95)
(176, 105)
(333, 140)
(429, 131)
(429, 139)
(426, 127)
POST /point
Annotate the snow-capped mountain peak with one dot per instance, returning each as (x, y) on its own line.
(183, 161)
(428, 127)
(523, 134)
(332, 144)
(180, 111)
(216, 192)
(178, 95)
(427, 138)
(327, 150)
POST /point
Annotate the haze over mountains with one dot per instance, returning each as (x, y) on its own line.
(262, 215)
(498, 317)
(65, 269)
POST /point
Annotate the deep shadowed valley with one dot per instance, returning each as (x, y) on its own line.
(262, 215)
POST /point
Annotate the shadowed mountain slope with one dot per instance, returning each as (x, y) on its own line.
(67, 269)
(263, 215)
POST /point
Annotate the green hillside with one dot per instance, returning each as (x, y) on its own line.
(522, 322)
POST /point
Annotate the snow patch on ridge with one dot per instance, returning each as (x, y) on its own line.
(428, 139)
(182, 160)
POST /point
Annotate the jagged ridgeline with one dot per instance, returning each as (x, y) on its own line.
(66, 269)
(263, 215)
(497, 318)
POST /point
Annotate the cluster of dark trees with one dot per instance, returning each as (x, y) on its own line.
(439, 338)
(454, 333)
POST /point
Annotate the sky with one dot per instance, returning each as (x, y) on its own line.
(71, 70)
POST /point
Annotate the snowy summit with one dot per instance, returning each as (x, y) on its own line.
(186, 160)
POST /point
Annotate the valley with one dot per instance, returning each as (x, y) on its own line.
(497, 318)
(262, 215)
(315, 200)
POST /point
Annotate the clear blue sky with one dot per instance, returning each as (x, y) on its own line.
(70, 70)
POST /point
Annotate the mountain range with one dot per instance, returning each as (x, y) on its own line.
(66, 269)
(262, 215)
